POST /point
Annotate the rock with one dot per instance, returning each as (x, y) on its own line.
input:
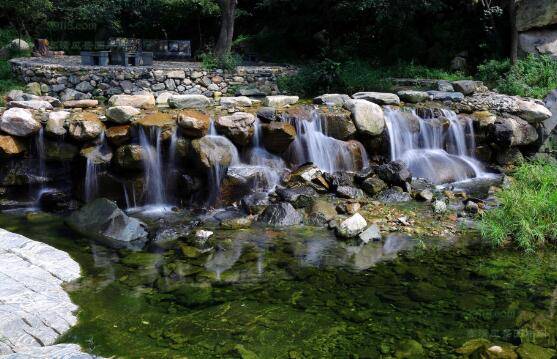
(163, 97)
(425, 195)
(103, 221)
(535, 14)
(349, 192)
(532, 351)
(35, 308)
(339, 125)
(394, 195)
(213, 151)
(444, 86)
(85, 126)
(439, 207)
(251, 92)
(471, 207)
(60, 151)
(380, 98)
(231, 102)
(373, 185)
(281, 215)
(280, 101)
(33, 88)
(467, 87)
(203, 235)
(409, 349)
(331, 99)
(491, 101)
(267, 114)
(194, 124)
(309, 174)
(367, 116)
(84, 86)
(56, 123)
(372, 233)
(31, 105)
(129, 157)
(299, 197)
(144, 101)
(96, 155)
(238, 127)
(71, 94)
(118, 135)
(161, 122)
(255, 203)
(321, 212)
(532, 111)
(412, 96)
(446, 96)
(19, 45)
(277, 136)
(395, 173)
(50, 351)
(237, 223)
(512, 131)
(81, 103)
(10, 146)
(474, 347)
(14, 95)
(19, 122)
(122, 114)
(352, 226)
(509, 156)
(56, 201)
(538, 42)
(189, 101)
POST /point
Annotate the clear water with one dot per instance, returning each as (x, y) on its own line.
(300, 293)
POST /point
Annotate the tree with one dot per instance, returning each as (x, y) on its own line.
(226, 34)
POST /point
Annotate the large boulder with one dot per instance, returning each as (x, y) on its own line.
(163, 122)
(85, 126)
(239, 101)
(86, 103)
(380, 98)
(238, 127)
(446, 96)
(467, 87)
(118, 135)
(367, 116)
(103, 221)
(144, 101)
(122, 114)
(193, 123)
(56, 123)
(19, 122)
(277, 136)
(189, 101)
(31, 105)
(331, 99)
(535, 14)
(281, 215)
(512, 131)
(539, 42)
(10, 146)
(280, 100)
(129, 157)
(412, 96)
(352, 226)
(213, 151)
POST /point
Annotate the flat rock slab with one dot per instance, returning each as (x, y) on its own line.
(34, 308)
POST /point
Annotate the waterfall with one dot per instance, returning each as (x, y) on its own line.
(91, 185)
(41, 152)
(154, 189)
(440, 149)
(329, 154)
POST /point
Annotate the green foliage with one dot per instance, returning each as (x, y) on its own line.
(7, 80)
(353, 76)
(527, 213)
(533, 76)
(227, 62)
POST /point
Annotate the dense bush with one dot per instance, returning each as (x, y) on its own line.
(7, 80)
(533, 76)
(527, 215)
(353, 76)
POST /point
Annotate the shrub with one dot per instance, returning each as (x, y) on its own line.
(533, 76)
(228, 62)
(527, 215)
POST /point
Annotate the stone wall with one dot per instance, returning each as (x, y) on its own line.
(68, 79)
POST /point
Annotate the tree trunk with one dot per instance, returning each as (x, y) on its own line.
(514, 31)
(224, 43)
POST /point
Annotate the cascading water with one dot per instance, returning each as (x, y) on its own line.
(440, 149)
(91, 185)
(154, 188)
(329, 154)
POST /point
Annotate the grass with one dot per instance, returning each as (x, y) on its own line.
(7, 80)
(353, 76)
(532, 76)
(527, 215)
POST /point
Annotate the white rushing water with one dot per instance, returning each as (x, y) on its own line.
(440, 149)
(91, 185)
(312, 144)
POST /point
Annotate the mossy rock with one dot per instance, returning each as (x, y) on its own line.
(426, 292)
(532, 351)
(409, 349)
(192, 295)
(475, 348)
(141, 260)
